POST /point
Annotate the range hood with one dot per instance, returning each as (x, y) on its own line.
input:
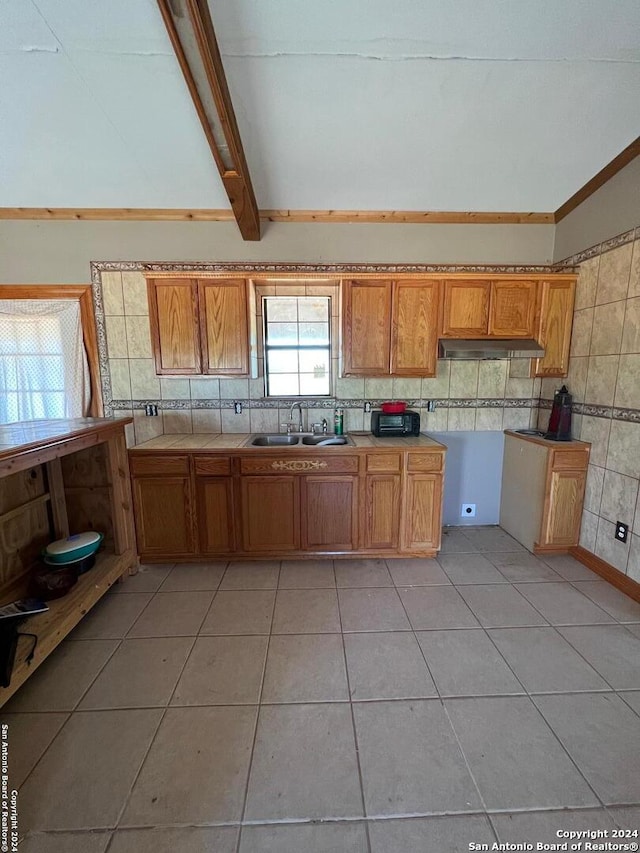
(489, 349)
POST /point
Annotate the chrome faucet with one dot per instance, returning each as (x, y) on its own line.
(299, 407)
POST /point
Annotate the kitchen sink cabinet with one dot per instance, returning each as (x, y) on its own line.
(296, 502)
(390, 328)
(329, 512)
(199, 326)
(270, 513)
(556, 317)
(543, 485)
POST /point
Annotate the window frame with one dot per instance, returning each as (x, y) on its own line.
(295, 348)
(81, 293)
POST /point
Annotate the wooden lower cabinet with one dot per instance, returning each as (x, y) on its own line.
(164, 516)
(329, 513)
(422, 523)
(382, 511)
(373, 502)
(561, 521)
(543, 485)
(214, 509)
(270, 513)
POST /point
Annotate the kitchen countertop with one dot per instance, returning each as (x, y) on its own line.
(238, 441)
(20, 437)
(547, 442)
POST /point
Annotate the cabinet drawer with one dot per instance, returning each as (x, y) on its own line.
(148, 465)
(320, 463)
(383, 462)
(425, 461)
(574, 460)
(212, 465)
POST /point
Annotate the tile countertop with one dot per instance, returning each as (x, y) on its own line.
(547, 442)
(235, 441)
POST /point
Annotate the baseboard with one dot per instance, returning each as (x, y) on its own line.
(615, 577)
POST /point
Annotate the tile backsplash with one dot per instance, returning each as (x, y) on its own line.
(469, 395)
(604, 378)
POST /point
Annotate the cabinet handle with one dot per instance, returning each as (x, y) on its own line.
(298, 465)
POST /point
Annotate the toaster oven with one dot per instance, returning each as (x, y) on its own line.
(402, 423)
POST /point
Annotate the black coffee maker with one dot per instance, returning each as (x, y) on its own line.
(560, 420)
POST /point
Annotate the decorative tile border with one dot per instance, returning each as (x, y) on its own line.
(614, 413)
(336, 270)
(329, 403)
(598, 249)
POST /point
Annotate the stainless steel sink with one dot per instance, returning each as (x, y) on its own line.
(324, 440)
(275, 440)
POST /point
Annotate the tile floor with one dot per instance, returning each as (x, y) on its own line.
(407, 706)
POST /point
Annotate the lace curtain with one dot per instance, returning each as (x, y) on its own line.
(44, 371)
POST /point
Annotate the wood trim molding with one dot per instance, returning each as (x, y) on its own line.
(615, 577)
(151, 214)
(83, 294)
(206, 60)
(623, 159)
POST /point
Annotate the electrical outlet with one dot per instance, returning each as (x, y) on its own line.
(238, 408)
(151, 410)
(367, 407)
(622, 531)
(468, 511)
(431, 406)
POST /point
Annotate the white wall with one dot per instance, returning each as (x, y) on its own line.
(58, 252)
(612, 210)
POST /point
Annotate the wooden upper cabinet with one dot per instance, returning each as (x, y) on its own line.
(366, 327)
(513, 309)
(175, 333)
(556, 318)
(466, 309)
(414, 328)
(199, 326)
(224, 326)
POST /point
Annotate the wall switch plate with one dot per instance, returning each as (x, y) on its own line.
(468, 511)
(622, 531)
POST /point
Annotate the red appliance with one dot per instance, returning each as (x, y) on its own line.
(560, 419)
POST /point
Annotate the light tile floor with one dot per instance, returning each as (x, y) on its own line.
(348, 706)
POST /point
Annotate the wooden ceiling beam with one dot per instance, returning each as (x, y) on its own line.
(192, 35)
(413, 217)
(623, 159)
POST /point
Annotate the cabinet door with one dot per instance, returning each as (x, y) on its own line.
(214, 496)
(224, 327)
(366, 330)
(329, 513)
(382, 510)
(175, 333)
(556, 318)
(513, 309)
(466, 309)
(563, 509)
(414, 328)
(271, 513)
(421, 526)
(164, 517)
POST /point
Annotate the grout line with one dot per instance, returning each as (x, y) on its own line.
(353, 718)
(258, 709)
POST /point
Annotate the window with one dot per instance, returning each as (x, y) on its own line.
(297, 345)
(43, 365)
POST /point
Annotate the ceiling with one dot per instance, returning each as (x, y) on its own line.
(486, 105)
